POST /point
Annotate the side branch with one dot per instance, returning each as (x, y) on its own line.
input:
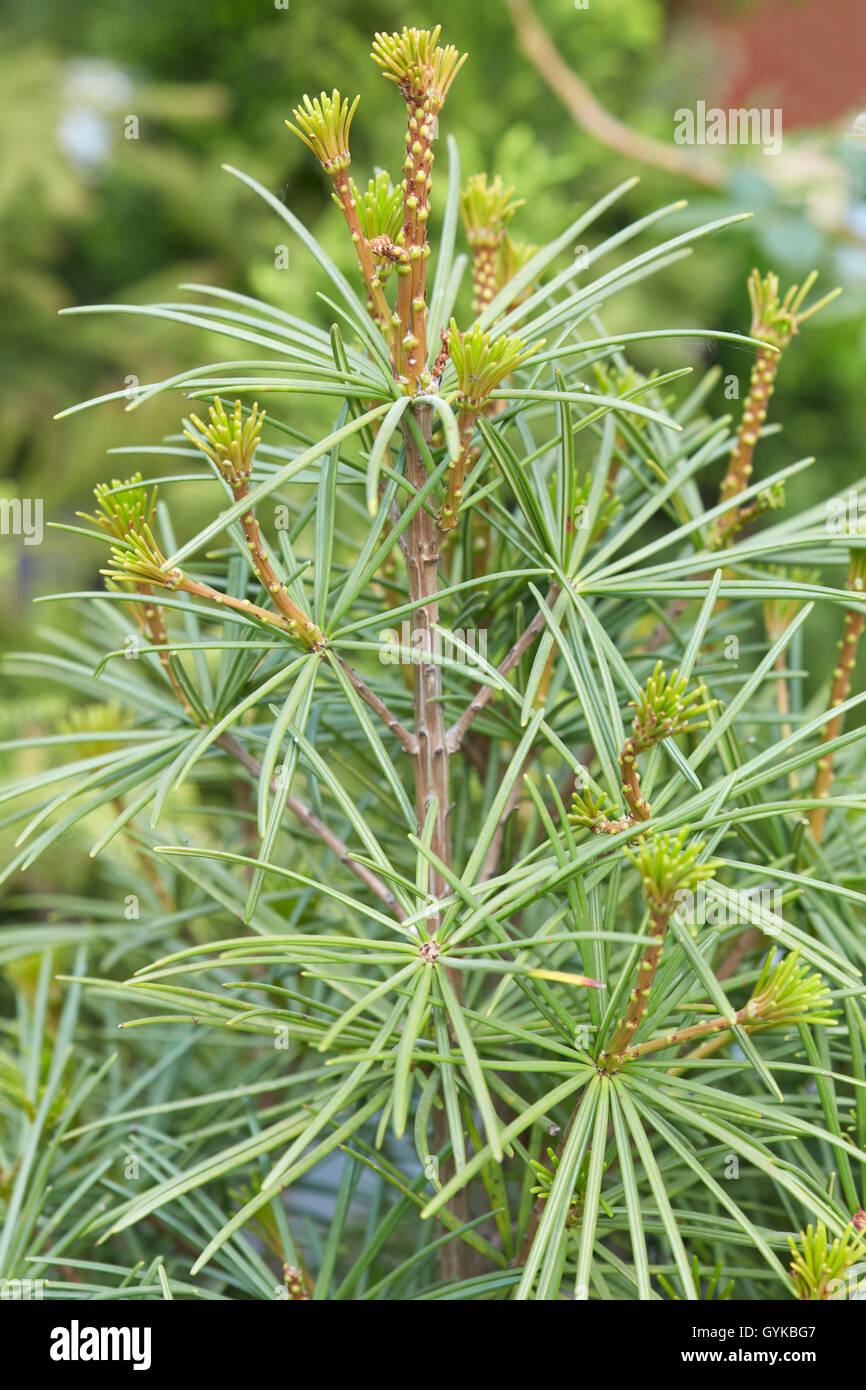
(407, 740)
(232, 745)
(839, 693)
(482, 698)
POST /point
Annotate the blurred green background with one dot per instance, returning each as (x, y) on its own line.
(89, 215)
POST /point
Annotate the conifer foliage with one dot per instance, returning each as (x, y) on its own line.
(409, 1006)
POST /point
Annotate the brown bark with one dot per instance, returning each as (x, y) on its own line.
(839, 693)
(637, 1004)
(740, 462)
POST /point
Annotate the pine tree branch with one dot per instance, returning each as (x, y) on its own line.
(839, 693)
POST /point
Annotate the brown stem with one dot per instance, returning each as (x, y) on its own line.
(151, 619)
(743, 517)
(408, 741)
(661, 632)
(265, 570)
(431, 759)
(739, 471)
(615, 1053)
(706, 1049)
(411, 278)
(839, 693)
(298, 624)
(638, 806)
(706, 1028)
(726, 526)
(546, 677)
(376, 301)
(467, 416)
(731, 964)
(740, 462)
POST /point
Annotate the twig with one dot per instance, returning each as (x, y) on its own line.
(431, 765)
(294, 616)
(639, 807)
(839, 693)
(466, 421)
(587, 111)
(775, 322)
(230, 442)
(618, 1047)
(232, 745)
(377, 304)
(153, 625)
(739, 469)
(407, 740)
(298, 626)
(483, 697)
